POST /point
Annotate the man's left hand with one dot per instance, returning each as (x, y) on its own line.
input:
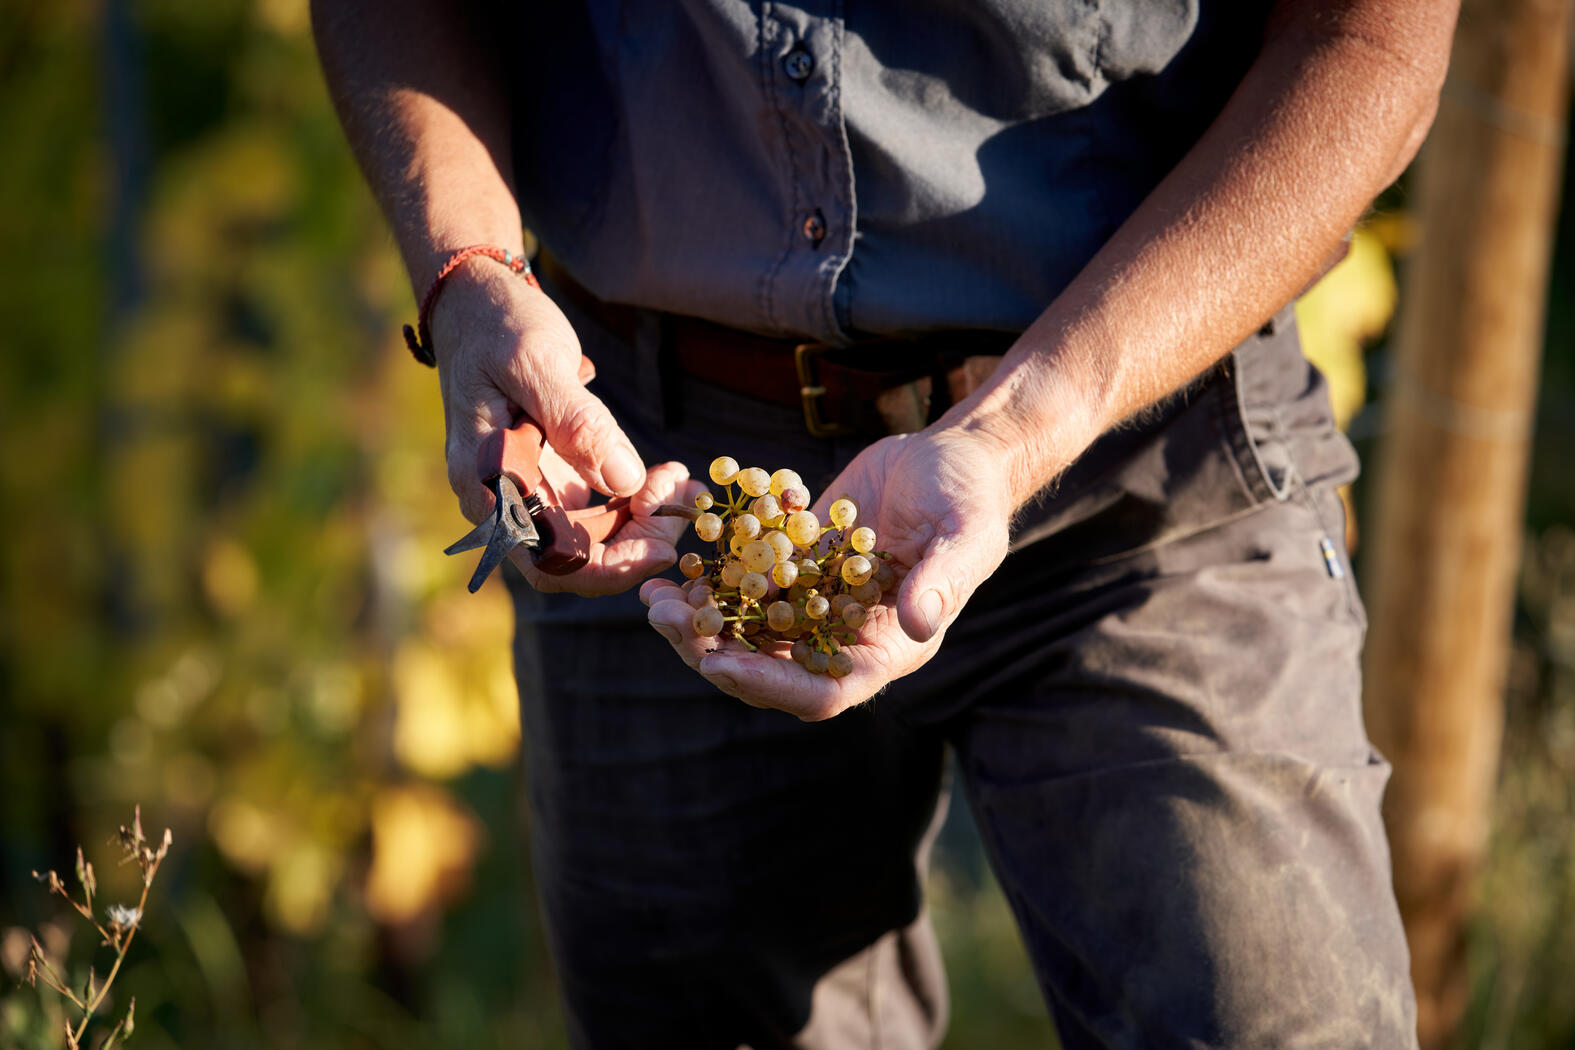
(940, 506)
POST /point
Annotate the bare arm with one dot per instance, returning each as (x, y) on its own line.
(420, 94)
(421, 90)
(1331, 112)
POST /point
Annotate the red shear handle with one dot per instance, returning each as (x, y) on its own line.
(566, 536)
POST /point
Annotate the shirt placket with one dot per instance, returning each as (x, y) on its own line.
(802, 51)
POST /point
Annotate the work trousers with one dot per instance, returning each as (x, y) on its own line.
(1154, 706)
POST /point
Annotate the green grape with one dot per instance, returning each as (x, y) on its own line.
(839, 664)
(766, 508)
(758, 556)
(780, 544)
(779, 616)
(707, 621)
(724, 469)
(808, 572)
(732, 572)
(783, 480)
(754, 481)
(784, 574)
(803, 528)
(776, 540)
(884, 575)
(856, 569)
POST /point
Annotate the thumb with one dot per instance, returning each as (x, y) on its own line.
(936, 589)
(582, 431)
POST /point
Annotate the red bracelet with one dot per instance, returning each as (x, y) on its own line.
(419, 339)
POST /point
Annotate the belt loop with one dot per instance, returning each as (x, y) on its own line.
(947, 362)
(655, 382)
(669, 376)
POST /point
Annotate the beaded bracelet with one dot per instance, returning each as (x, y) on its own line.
(419, 339)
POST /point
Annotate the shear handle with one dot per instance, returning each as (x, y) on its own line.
(566, 536)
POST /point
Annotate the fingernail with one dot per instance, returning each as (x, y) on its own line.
(622, 470)
(667, 632)
(930, 608)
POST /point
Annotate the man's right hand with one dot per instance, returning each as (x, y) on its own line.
(503, 347)
(424, 92)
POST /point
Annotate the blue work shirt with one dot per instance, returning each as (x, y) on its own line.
(845, 168)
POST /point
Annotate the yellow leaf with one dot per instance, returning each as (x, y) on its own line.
(1349, 307)
(423, 847)
(455, 707)
(300, 887)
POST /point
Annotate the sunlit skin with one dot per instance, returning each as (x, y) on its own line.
(484, 383)
(939, 505)
(1330, 112)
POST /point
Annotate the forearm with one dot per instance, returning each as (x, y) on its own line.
(1327, 116)
(420, 90)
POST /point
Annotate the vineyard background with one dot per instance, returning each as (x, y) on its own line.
(222, 593)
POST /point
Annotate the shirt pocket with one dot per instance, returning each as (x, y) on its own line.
(1069, 51)
(1142, 36)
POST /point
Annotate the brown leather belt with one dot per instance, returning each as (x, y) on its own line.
(875, 387)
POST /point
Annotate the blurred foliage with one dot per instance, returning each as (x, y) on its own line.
(222, 596)
(1523, 951)
(1347, 310)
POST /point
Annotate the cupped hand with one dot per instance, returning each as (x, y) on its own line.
(940, 507)
(504, 347)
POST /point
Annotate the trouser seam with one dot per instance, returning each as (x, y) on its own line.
(871, 991)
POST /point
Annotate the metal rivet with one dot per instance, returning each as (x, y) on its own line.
(814, 227)
(798, 64)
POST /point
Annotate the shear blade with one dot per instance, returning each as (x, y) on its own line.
(476, 537)
(509, 526)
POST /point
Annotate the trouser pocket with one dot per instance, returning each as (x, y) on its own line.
(1279, 425)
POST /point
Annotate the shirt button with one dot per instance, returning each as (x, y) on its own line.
(814, 227)
(798, 65)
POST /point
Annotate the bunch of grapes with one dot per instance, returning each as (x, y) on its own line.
(778, 574)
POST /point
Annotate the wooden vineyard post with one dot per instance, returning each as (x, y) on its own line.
(1443, 552)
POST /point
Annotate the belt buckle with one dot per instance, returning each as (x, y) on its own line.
(810, 392)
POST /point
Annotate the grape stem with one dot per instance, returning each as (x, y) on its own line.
(677, 510)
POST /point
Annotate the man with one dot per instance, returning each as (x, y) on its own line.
(1153, 697)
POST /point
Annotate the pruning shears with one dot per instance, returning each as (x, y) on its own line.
(526, 512)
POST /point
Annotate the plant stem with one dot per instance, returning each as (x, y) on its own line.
(52, 979)
(120, 955)
(676, 510)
